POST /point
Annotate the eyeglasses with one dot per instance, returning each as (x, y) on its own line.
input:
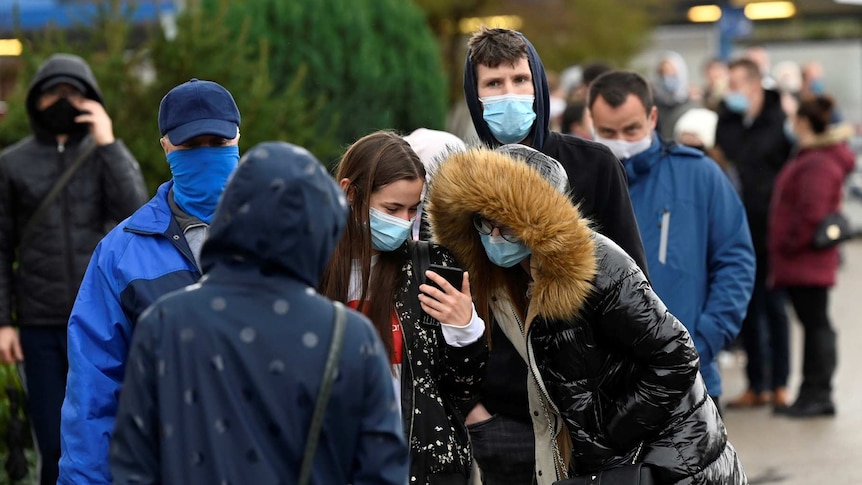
(486, 227)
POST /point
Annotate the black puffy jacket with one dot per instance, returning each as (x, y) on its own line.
(606, 355)
(106, 189)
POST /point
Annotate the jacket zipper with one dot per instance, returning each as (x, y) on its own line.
(558, 459)
(68, 251)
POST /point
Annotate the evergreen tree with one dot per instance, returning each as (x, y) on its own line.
(374, 62)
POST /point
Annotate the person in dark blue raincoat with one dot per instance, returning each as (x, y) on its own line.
(223, 375)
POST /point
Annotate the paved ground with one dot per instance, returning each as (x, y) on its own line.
(819, 451)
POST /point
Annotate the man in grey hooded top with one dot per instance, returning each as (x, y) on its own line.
(46, 243)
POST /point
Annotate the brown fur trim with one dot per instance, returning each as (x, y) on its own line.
(512, 193)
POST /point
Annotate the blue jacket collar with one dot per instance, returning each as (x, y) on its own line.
(643, 162)
(155, 216)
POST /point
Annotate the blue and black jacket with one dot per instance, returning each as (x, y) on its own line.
(143, 258)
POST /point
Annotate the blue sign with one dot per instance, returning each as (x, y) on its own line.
(37, 14)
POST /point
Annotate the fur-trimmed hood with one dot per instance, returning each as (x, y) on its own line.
(512, 193)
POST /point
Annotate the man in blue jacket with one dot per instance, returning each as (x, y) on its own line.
(691, 220)
(153, 252)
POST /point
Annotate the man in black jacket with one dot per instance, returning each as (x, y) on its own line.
(752, 135)
(52, 246)
(506, 90)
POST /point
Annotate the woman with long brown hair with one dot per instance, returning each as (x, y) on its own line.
(433, 336)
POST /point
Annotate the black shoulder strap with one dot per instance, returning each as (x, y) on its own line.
(421, 256)
(340, 321)
(61, 183)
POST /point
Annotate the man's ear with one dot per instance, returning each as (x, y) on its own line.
(348, 190)
(164, 145)
(653, 117)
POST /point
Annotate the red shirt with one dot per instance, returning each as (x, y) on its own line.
(397, 337)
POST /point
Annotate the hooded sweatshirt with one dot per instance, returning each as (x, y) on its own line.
(596, 177)
(224, 375)
(106, 189)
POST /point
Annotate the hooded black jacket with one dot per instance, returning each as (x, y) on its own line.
(620, 369)
(106, 189)
(596, 178)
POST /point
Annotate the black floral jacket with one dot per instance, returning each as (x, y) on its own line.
(438, 383)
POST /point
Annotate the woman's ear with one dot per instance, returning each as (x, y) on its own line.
(348, 190)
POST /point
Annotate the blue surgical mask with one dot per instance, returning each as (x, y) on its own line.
(388, 233)
(502, 252)
(509, 116)
(736, 102)
(818, 86)
(788, 131)
(670, 83)
(200, 175)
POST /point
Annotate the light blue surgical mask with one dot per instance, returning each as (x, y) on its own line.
(388, 233)
(818, 87)
(200, 175)
(509, 116)
(736, 102)
(502, 252)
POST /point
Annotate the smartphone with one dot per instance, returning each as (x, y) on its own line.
(455, 276)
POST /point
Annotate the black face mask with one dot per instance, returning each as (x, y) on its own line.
(59, 118)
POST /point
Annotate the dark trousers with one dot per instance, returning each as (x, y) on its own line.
(766, 335)
(45, 368)
(820, 354)
(504, 449)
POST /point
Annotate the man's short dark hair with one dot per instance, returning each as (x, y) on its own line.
(574, 113)
(593, 70)
(616, 86)
(752, 70)
(492, 47)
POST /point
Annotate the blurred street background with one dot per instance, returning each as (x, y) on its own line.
(779, 450)
(322, 73)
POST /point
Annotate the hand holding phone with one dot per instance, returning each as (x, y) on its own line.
(452, 305)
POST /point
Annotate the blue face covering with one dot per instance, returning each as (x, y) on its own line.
(200, 175)
(736, 102)
(509, 116)
(388, 233)
(502, 252)
(818, 87)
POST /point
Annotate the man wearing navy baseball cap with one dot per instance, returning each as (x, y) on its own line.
(153, 252)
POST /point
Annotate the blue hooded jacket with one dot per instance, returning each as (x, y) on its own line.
(224, 375)
(703, 266)
(143, 258)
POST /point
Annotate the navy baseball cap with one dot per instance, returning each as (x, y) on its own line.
(197, 108)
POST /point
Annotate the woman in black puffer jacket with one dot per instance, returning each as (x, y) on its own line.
(613, 375)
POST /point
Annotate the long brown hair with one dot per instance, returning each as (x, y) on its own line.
(372, 162)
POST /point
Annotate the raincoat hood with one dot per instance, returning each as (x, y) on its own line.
(515, 194)
(541, 106)
(281, 213)
(679, 94)
(68, 65)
